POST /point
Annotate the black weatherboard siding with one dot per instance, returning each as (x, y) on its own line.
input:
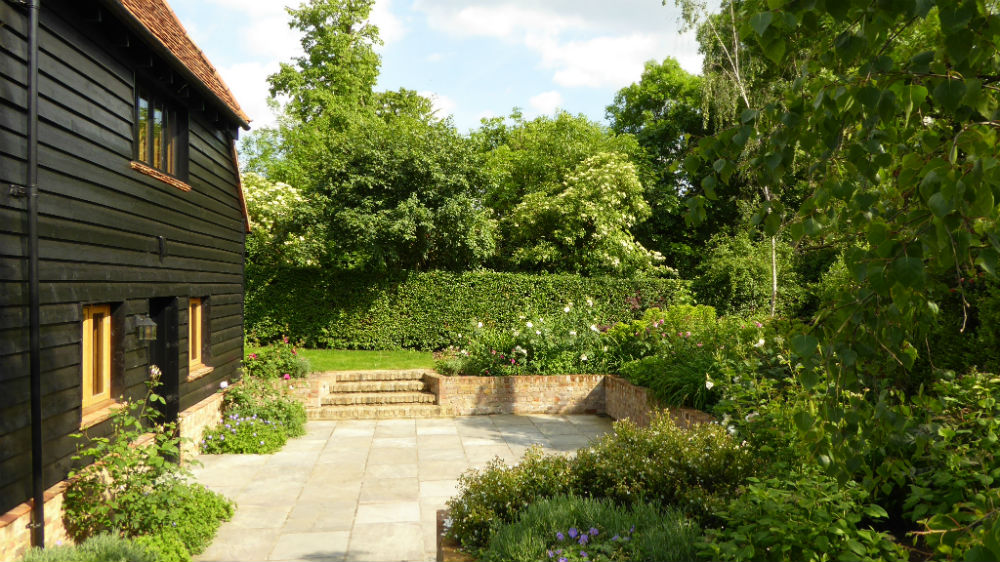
(100, 227)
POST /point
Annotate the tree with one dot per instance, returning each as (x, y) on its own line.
(390, 186)
(663, 111)
(585, 226)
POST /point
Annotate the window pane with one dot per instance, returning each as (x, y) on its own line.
(142, 128)
(158, 136)
(97, 337)
(169, 127)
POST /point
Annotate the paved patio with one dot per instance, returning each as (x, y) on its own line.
(366, 490)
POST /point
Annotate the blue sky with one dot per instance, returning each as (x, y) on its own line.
(473, 58)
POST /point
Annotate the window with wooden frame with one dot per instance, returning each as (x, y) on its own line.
(160, 134)
(96, 356)
(196, 338)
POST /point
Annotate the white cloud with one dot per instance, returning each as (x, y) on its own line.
(248, 82)
(434, 57)
(443, 105)
(390, 27)
(585, 43)
(546, 103)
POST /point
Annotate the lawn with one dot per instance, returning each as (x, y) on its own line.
(351, 360)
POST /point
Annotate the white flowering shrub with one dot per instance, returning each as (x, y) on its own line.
(282, 227)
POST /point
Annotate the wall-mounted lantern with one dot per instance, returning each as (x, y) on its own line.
(145, 328)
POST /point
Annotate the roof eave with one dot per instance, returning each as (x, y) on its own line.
(154, 43)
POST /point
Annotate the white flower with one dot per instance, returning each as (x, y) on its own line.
(590, 302)
(751, 416)
(480, 325)
(538, 332)
(593, 328)
(529, 324)
(223, 384)
(565, 309)
(708, 383)
(572, 332)
(760, 343)
(583, 357)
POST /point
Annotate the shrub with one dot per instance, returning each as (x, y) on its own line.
(804, 516)
(99, 548)
(495, 495)
(137, 490)
(280, 360)
(243, 434)
(266, 400)
(555, 529)
(426, 310)
(686, 380)
(167, 547)
(692, 469)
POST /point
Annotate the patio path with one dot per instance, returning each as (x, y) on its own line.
(367, 490)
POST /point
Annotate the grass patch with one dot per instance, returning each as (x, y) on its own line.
(359, 360)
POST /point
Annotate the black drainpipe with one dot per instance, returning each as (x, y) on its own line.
(37, 482)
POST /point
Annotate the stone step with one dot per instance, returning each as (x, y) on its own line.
(363, 376)
(378, 386)
(375, 412)
(375, 398)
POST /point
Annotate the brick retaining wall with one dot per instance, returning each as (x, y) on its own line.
(15, 536)
(626, 400)
(552, 394)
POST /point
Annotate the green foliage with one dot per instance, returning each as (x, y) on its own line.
(690, 469)
(428, 310)
(246, 435)
(495, 495)
(167, 547)
(99, 548)
(584, 226)
(137, 490)
(639, 532)
(277, 361)
(735, 276)
(693, 470)
(568, 341)
(662, 111)
(686, 381)
(804, 516)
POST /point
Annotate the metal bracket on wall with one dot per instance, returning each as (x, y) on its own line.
(18, 191)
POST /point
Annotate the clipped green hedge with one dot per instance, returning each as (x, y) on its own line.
(427, 310)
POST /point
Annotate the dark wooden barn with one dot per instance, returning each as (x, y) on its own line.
(139, 215)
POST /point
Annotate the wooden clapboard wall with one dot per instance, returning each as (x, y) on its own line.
(99, 223)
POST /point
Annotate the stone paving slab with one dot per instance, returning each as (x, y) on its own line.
(368, 490)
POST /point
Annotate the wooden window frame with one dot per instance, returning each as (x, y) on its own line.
(92, 401)
(197, 320)
(173, 161)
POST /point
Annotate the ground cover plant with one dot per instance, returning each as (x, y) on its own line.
(259, 416)
(135, 488)
(572, 528)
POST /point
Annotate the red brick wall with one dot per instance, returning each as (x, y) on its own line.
(553, 394)
(626, 400)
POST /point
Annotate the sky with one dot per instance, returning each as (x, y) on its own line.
(472, 58)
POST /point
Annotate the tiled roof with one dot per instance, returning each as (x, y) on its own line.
(157, 17)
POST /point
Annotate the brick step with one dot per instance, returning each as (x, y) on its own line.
(375, 398)
(374, 412)
(363, 376)
(378, 386)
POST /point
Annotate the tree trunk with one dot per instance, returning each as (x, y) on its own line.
(774, 275)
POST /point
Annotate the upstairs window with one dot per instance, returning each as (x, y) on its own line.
(160, 134)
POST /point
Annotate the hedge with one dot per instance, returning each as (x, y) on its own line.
(427, 310)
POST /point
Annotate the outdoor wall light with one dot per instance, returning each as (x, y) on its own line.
(145, 328)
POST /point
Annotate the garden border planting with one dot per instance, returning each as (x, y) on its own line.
(15, 533)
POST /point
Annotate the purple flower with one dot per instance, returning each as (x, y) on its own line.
(563, 559)
(551, 554)
(584, 539)
(573, 532)
(261, 442)
(632, 530)
(583, 554)
(560, 536)
(616, 537)
(594, 532)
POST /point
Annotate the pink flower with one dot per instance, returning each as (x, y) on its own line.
(287, 376)
(253, 356)
(294, 352)
(511, 360)
(759, 325)
(494, 352)
(687, 334)
(284, 339)
(699, 344)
